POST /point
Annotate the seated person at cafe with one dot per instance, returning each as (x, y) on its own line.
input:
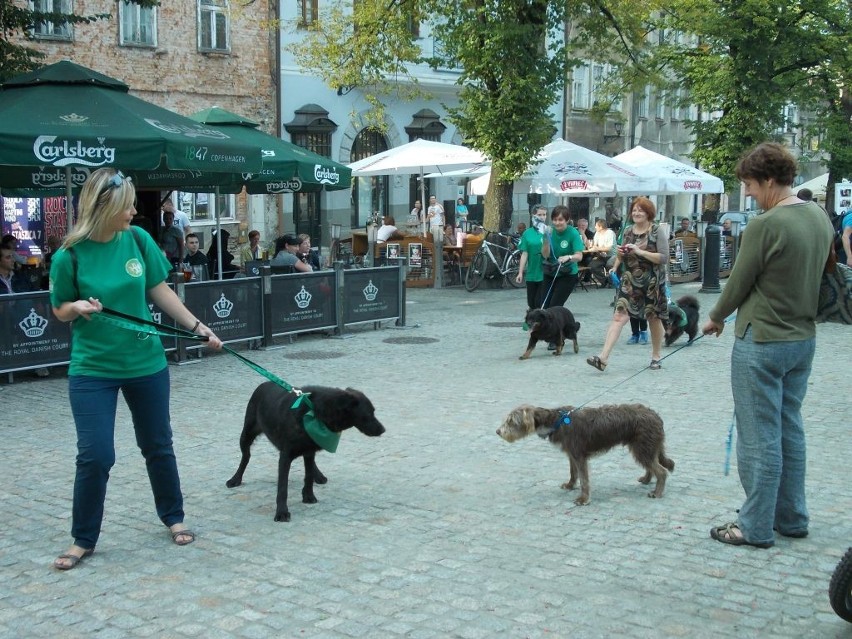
(388, 231)
(253, 251)
(604, 247)
(228, 268)
(11, 279)
(287, 248)
(11, 242)
(305, 253)
(684, 230)
(194, 257)
(585, 233)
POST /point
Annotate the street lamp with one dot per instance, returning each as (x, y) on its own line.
(618, 126)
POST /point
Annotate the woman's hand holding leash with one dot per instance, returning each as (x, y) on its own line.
(713, 328)
(84, 308)
(212, 341)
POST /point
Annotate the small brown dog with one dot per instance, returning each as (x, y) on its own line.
(553, 325)
(589, 431)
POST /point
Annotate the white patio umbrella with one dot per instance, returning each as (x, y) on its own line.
(569, 169)
(418, 157)
(673, 176)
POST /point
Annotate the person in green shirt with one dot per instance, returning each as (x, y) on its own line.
(562, 247)
(530, 248)
(774, 288)
(106, 263)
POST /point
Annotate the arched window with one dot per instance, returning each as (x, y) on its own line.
(369, 194)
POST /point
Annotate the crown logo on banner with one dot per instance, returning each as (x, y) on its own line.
(223, 307)
(370, 291)
(303, 298)
(33, 324)
(157, 317)
(73, 118)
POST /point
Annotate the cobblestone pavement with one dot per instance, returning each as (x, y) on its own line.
(438, 528)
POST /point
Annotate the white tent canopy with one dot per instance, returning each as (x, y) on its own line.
(420, 156)
(671, 175)
(816, 185)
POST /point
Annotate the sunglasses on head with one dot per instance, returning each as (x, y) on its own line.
(114, 182)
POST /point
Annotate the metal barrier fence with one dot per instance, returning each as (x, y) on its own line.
(242, 309)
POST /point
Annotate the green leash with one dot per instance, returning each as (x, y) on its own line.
(324, 437)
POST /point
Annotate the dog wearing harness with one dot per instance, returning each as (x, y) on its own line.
(584, 432)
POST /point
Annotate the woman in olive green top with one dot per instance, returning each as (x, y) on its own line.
(773, 287)
(106, 262)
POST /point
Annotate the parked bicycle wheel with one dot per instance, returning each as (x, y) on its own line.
(475, 271)
(513, 265)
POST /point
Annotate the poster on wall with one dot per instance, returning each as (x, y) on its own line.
(22, 218)
(842, 197)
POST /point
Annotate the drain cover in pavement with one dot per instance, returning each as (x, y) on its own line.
(313, 355)
(410, 340)
(505, 324)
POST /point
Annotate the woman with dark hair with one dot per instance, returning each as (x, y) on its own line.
(213, 253)
(641, 293)
(562, 247)
(773, 288)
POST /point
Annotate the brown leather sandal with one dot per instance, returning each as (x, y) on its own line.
(597, 362)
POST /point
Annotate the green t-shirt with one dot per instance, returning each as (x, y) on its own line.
(531, 241)
(117, 274)
(567, 242)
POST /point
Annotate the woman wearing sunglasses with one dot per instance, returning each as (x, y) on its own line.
(105, 263)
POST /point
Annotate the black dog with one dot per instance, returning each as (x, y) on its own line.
(270, 412)
(553, 325)
(683, 318)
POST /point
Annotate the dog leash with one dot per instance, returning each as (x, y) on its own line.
(321, 434)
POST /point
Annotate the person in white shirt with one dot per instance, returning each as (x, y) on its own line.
(388, 230)
(435, 215)
(181, 219)
(605, 244)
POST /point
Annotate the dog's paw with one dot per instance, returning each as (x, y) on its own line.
(308, 498)
(319, 478)
(285, 516)
(524, 356)
(576, 348)
(233, 482)
(582, 501)
(653, 494)
(645, 479)
(568, 485)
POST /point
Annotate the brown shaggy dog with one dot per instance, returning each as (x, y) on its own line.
(553, 325)
(589, 431)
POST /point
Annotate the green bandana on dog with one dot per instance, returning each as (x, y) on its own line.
(319, 432)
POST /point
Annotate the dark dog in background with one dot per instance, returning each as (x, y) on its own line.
(553, 325)
(589, 431)
(270, 412)
(683, 318)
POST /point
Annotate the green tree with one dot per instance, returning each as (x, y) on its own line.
(511, 54)
(17, 22)
(745, 61)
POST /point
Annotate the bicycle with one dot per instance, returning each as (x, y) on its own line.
(486, 265)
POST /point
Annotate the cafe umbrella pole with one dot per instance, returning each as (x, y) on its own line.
(219, 249)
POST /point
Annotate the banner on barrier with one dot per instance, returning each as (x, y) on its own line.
(302, 302)
(233, 309)
(371, 295)
(30, 336)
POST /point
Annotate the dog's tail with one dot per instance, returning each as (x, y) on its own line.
(688, 300)
(665, 462)
(576, 326)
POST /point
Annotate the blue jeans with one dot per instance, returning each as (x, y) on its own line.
(93, 402)
(769, 381)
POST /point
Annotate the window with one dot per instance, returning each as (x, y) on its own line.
(137, 25)
(580, 89)
(201, 207)
(644, 98)
(308, 12)
(50, 29)
(213, 25)
(370, 193)
(660, 107)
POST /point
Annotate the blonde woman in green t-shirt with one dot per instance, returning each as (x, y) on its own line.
(106, 263)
